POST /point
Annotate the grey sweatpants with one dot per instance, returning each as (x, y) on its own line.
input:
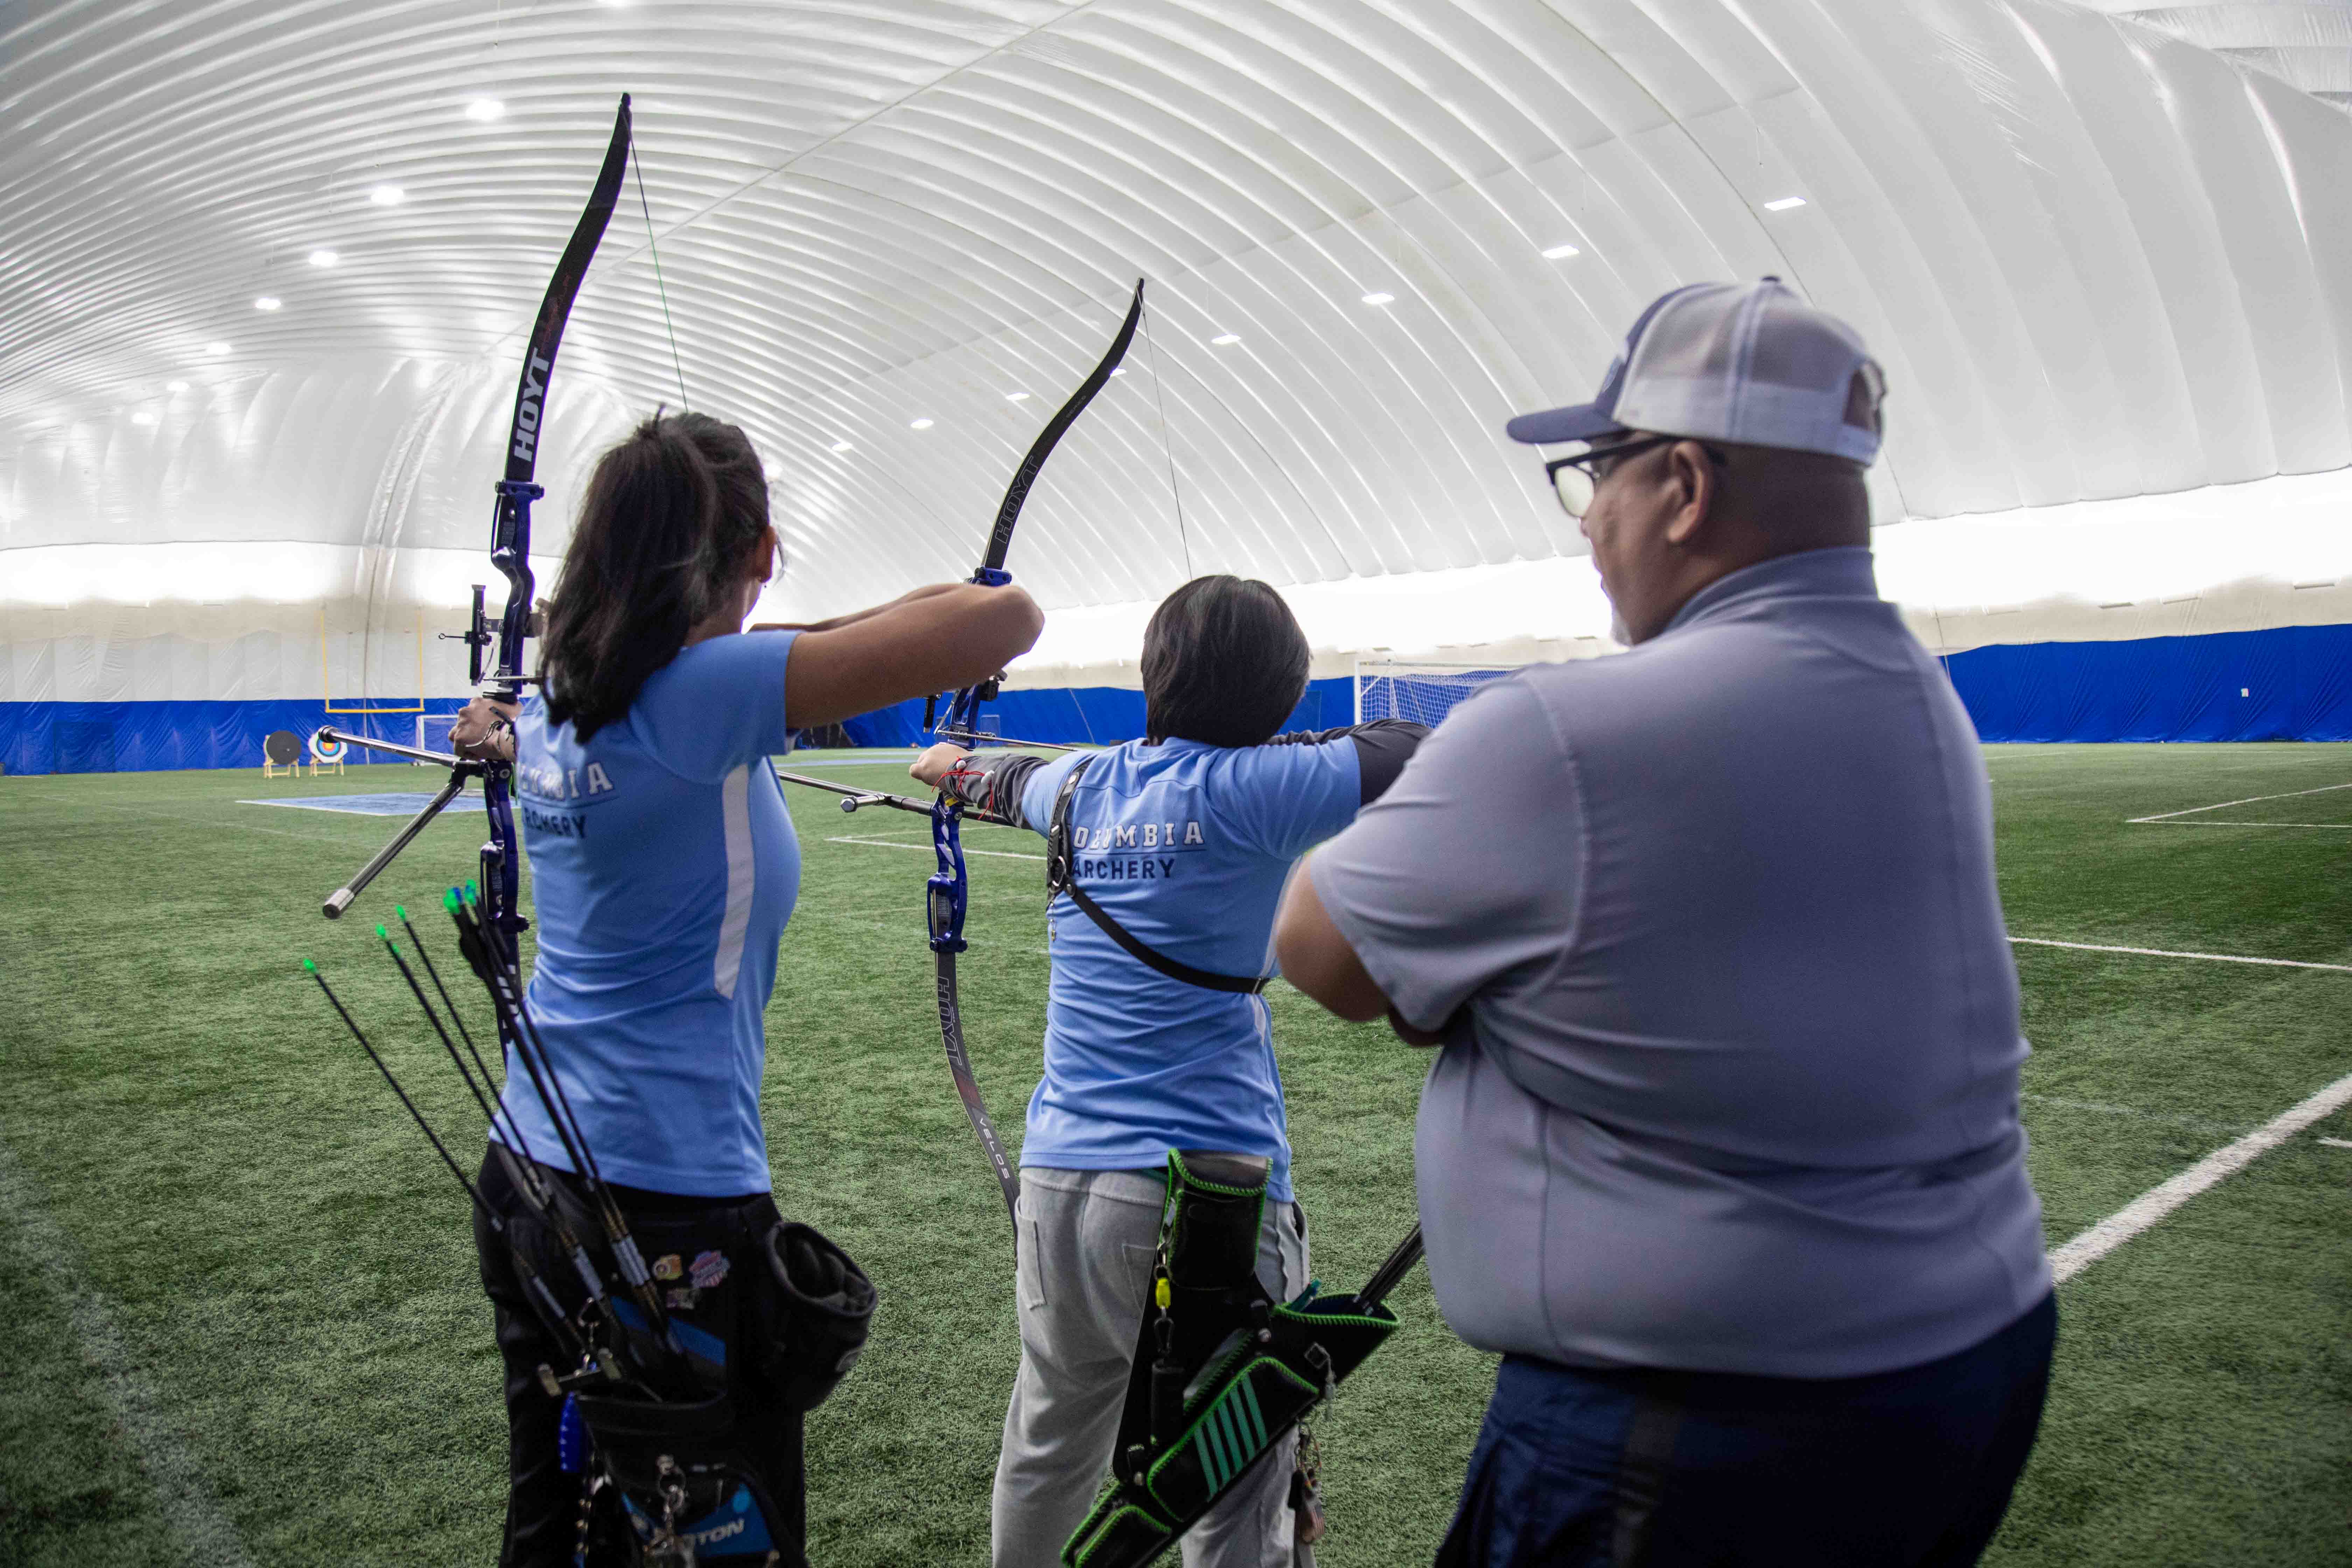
(1086, 1248)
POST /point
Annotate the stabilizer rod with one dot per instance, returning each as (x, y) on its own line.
(413, 753)
(341, 899)
(1392, 1273)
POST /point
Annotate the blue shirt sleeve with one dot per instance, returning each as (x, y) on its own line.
(1288, 799)
(718, 705)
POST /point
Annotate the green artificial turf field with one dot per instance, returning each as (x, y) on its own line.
(246, 1328)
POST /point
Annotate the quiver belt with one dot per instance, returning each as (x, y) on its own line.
(1222, 1370)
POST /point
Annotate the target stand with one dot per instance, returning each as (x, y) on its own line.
(327, 751)
(281, 756)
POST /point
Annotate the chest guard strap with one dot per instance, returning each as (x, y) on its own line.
(1061, 877)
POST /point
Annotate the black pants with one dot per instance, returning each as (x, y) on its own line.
(1913, 1469)
(683, 1237)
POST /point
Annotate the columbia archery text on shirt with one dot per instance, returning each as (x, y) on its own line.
(1187, 845)
(664, 867)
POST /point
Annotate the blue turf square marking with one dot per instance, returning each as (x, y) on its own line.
(362, 804)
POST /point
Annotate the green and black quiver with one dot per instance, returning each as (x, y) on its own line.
(1221, 1369)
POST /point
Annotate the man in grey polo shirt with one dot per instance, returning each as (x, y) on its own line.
(1722, 1150)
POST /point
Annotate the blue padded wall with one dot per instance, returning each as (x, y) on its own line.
(142, 737)
(2294, 683)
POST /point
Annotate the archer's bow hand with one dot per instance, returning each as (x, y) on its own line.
(934, 765)
(485, 730)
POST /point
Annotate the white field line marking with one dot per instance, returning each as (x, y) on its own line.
(2337, 1142)
(186, 1503)
(894, 844)
(2163, 952)
(2161, 1200)
(2332, 826)
(2224, 805)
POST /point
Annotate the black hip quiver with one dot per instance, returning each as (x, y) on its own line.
(687, 1485)
(1221, 1369)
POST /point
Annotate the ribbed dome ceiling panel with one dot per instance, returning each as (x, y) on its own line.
(2098, 258)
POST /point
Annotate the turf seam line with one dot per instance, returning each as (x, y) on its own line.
(894, 844)
(182, 1497)
(2225, 804)
(2167, 953)
(2106, 1108)
(2159, 1201)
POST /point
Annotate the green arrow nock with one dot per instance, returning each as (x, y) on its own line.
(310, 966)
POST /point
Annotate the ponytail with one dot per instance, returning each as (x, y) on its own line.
(664, 534)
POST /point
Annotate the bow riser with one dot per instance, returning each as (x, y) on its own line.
(510, 525)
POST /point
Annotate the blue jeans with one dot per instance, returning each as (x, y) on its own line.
(1913, 1469)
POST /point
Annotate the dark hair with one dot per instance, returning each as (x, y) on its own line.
(666, 528)
(1224, 663)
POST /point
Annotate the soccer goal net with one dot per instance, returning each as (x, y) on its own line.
(433, 732)
(1424, 693)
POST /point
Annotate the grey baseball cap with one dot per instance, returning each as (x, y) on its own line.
(1747, 363)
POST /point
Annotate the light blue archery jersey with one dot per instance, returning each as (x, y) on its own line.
(1187, 845)
(664, 867)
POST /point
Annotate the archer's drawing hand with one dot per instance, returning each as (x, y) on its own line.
(485, 730)
(934, 764)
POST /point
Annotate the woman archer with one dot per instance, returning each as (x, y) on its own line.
(664, 868)
(1176, 845)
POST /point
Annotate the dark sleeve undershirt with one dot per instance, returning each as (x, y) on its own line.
(1383, 746)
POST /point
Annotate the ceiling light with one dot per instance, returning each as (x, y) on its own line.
(1378, 299)
(217, 351)
(175, 386)
(484, 109)
(841, 445)
(919, 423)
(1561, 253)
(1016, 397)
(1121, 370)
(324, 259)
(267, 302)
(1784, 204)
(144, 417)
(387, 195)
(1222, 339)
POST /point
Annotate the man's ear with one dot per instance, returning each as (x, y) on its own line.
(1692, 485)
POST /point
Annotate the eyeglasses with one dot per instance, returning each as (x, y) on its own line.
(1575, 479)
